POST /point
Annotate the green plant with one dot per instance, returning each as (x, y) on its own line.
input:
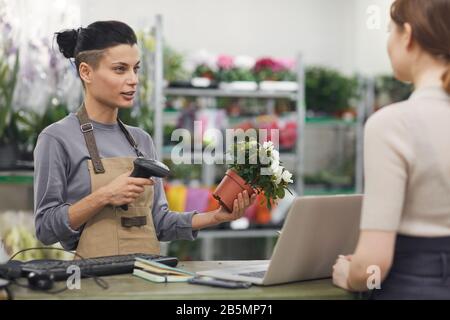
(173, 65)
(203, 71)
(260, 166)
(8, 80)
(392, 89)
(235, 74)
(30, 123)
(141, 117)
(328, 91)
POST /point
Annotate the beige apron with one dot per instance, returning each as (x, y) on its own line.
(114, 231)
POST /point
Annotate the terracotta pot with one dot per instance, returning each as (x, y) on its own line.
(229, 188)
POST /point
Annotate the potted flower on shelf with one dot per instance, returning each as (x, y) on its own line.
(275, 74)
(235, 73)
(204, 67)
(255, 168)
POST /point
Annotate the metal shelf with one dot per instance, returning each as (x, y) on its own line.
(208, 170)
(288, 156)
(16, 177)
(263, 94)
(171, 115)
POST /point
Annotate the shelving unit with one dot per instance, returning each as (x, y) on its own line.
(302, 121)
(208, 170)
(297, 156)
(16, 190)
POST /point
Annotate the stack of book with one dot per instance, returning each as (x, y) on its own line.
(158, 272)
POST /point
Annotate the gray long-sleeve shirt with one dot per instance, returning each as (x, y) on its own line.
(61, 178)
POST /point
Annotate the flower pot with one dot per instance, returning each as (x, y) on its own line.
(229, 188)
(239, 85)
(278, 86)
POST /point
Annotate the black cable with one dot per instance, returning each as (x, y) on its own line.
(99, 281)
(9, 293)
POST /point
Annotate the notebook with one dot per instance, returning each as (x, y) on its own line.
(157, 272)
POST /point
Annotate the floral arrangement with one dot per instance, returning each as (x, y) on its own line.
(227, 68)
(203, 65)
(235, 69)
(269, 69)
(256, 168)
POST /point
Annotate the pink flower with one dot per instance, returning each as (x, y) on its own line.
(269, 63)
(264, 63)
(225, 62)
(288, 64)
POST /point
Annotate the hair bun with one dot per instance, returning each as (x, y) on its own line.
(67, 41)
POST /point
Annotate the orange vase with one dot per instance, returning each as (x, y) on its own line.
(228, 189)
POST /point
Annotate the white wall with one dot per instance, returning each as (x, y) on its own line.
(370, 36)
(330, 32)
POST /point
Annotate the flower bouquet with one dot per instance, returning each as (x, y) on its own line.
(255, 168)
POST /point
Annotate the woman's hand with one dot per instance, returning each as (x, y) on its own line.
(341, 270)
(239, 206)
(125, 189)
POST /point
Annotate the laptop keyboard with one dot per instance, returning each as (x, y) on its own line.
(255, 274)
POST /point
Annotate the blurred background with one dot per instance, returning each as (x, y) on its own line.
(314, 69)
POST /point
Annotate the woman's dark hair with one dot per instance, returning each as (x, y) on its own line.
(87, 44)
(430, 23)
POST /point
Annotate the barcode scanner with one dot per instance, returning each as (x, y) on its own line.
(146, 168)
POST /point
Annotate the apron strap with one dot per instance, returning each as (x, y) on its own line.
(129, 138)
(88, 131)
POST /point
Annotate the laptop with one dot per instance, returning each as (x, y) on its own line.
(316, 230)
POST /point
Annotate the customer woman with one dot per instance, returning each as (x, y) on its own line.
(83, 162)
(405, 226)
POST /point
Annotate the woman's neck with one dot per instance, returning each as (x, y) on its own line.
(428, 73)
(99, 112)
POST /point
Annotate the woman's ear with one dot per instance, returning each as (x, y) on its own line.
(85, 72)
(407, 36)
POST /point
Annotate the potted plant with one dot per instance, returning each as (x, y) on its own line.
(275, 74)
(8, 128)
(255, 168)
(175, 74)
(328, 92)
(30, 124)
(235, 73)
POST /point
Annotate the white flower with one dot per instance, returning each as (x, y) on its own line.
(275, 155)
(268, 145)
(244, 62)
(204, 57)
(278, 174)
(286, 176)
(274, 165)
